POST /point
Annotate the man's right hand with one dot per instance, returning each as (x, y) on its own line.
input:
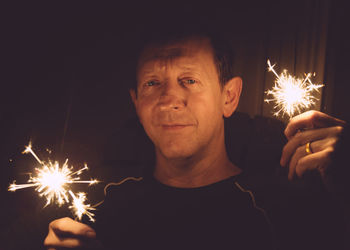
(67, 233)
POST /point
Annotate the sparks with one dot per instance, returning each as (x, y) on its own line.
(79, 208)
(53, 181)
(291, 95)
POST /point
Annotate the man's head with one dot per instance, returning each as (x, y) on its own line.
(223, 55)
(182, 96)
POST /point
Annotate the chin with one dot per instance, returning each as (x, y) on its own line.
(176, 152)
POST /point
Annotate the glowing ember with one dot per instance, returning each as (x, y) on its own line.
(53, 181)
(290, 94)
(79, 208)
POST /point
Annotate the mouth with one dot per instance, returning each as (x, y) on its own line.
(175, 126)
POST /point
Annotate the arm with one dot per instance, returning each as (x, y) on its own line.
(339, 170)
(329, 139)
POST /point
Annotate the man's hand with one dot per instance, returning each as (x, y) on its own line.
(321, 131)
(67, 233)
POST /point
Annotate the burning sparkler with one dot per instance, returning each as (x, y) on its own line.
(80, 208)
(290, 94)
(52, 182)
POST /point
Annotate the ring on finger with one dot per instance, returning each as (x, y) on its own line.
(308, 148)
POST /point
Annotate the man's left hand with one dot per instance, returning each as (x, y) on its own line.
(321, 132)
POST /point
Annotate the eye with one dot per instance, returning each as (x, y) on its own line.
(151, 83)
(189, 81)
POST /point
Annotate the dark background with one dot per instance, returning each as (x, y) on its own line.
(66, 66)
(66, 70)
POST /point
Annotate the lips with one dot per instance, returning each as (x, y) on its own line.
(173, 120)
(175, 126)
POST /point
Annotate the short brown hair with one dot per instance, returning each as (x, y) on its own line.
(221, 45)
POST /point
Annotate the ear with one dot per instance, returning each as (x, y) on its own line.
(133, 97)
(231, 94)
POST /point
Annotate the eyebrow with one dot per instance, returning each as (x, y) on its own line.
(185, 68)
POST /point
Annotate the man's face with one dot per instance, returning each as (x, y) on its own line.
(179, 98)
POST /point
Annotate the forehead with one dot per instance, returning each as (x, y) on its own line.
(192, 51)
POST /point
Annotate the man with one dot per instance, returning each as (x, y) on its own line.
(195, 196)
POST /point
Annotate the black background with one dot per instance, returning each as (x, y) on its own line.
(66, 69)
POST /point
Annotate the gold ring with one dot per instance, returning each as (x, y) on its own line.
(308, 148)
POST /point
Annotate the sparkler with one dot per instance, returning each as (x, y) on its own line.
(79, 207)
(53, 181)
(290, 94)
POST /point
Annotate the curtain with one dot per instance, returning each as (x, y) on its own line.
(293, 35)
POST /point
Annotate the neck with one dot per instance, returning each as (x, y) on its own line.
(195, 171)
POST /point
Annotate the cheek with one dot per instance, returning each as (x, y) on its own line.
(145, 113)
(209, 118)
(207, 108)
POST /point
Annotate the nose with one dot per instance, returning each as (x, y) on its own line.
(172, 97)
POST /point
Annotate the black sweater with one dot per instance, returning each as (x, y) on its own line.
(149, 215)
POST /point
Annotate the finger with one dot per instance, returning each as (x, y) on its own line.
(301, 153)
(311, 119)
(304, 137)
(67, 226)
(54, 242)
(317, 161)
